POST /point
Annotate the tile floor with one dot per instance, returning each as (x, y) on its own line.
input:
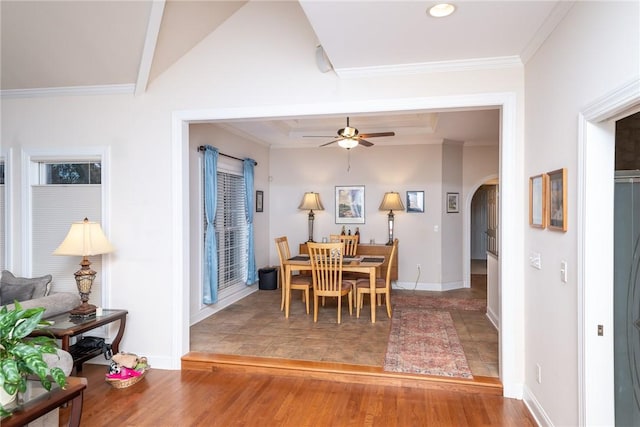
(255, 326)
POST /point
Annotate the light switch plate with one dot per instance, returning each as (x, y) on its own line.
(563, 271)
(535, 260)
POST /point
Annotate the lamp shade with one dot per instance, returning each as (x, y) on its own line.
(391, 202)
(311, 201)
(84, 239)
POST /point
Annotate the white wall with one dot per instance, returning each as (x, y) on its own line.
(592, 52)
(237, 71)
(451, 230)
(380, 169)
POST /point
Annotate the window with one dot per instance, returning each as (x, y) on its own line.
(63, 192)
(3, 216)
(231, 229)
(70, 173)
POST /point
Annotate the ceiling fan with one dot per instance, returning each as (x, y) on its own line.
(349, 137)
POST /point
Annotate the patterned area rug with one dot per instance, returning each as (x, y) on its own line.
(425, 341)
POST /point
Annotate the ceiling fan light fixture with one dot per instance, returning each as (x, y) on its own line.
(348, 132)
(441, 10)
(348, 143)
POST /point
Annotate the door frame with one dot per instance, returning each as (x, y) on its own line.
(466, 227)
(596, 153)
(511, 232)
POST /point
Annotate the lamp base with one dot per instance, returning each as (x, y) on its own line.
(83, 310)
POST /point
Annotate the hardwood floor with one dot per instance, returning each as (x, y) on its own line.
(225, 398)
(242, 390)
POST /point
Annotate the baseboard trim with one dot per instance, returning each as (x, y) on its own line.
(536, 410)
(437, 287)
(493, 318)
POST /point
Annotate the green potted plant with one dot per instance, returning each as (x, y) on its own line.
(21, 356)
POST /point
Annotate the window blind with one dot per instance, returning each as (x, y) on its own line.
(54, 208)
(231, 231)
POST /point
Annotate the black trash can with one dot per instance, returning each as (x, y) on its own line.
(268, 279)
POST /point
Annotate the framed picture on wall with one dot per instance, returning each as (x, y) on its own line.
(453, 200)
(350, 204)
(538, 201)
(259, 201)
(415, 201)
(557, 200)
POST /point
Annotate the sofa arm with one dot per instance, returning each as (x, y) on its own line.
(54, 304)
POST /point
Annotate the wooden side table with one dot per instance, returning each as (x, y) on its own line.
(48, 401)
(64, 327)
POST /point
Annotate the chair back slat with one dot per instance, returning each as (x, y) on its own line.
(326, 267)
(282, 244)
(350, 243)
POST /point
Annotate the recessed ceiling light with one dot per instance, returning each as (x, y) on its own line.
(441, 10)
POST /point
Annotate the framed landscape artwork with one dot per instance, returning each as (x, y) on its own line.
(538, 201)
(350, 204)
(557, 200)
(453, 200)
(259, 201)
(415, 201)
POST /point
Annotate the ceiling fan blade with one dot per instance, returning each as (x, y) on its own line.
(373, 135)
(331, 142)
(318, 136)
(364, 142)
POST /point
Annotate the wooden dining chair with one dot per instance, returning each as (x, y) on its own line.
(326, 271)
(350, 249)
(298, 282)
(350, 243)
(383, 286)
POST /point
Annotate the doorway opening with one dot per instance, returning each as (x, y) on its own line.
(511, 354)
(483, 243)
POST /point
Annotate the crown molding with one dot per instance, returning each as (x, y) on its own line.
(122, 89)
(549, 25)
(431, 67)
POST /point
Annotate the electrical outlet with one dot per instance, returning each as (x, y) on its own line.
(538, 373)
(418, 266)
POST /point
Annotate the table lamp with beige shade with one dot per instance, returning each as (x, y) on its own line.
(84, 239)
(391, 202)
(311, 201)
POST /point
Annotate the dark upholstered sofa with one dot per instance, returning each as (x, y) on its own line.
(35, 292)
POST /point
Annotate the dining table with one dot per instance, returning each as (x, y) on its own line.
(358, 264)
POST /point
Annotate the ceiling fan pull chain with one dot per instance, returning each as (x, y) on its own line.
(348, 160)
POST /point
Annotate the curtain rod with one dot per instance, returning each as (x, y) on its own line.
(201, 148)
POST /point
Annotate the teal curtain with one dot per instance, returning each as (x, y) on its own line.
(210, 285)
(252, 271)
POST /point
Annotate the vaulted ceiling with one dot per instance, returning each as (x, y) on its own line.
(61, 44)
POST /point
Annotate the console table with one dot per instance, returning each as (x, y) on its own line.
(64, 327)
(368, 249)
(44, 402)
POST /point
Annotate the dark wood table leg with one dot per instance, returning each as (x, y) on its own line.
(115, 345)
(76, 410)
(65, 343)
